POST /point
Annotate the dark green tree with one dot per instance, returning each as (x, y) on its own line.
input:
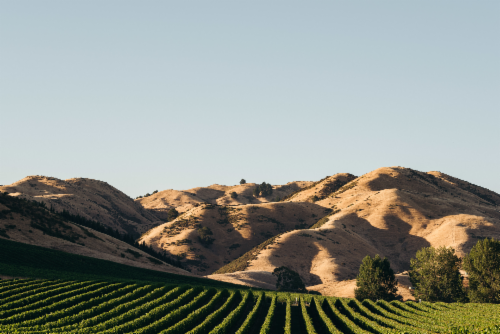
(243, 181)
(234, 194)
(204, 236)
(172, 214)
(263, 190)
(483, 266)
(376, 280)
(288, 280)
(435, 276)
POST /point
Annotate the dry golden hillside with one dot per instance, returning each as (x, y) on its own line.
(235, 230)
(92, 199)
(182, 201)
(321, 189)
(320, 229)
(31, 224)
(392, 212)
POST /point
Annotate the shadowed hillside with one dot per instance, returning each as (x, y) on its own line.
(92, 199)
(32, 223)
(234, 230)
(242, 233)
(390, 211)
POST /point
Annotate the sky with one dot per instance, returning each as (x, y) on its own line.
(154, 95)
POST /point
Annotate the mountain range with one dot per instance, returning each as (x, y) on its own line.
(321, 229)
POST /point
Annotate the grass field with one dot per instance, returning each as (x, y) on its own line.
(77, 294)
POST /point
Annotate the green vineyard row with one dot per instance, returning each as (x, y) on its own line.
(63, 306)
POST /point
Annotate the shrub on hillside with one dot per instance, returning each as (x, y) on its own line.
(147, 195)
(435, 275)
(172, 214)
(204, 234)
(376, 280)
(288, 280)
(234, 195)
(243, 181)
(483, 266)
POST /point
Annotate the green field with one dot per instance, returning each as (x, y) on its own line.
(76, 294)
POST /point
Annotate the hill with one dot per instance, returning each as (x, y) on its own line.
(392, 212)
(160, 202)
(30, 222)
(30, 261)
(92, 199)
(320, 229)
(233, 230)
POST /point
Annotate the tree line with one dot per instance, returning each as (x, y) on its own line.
(24, 206)
(435, 275)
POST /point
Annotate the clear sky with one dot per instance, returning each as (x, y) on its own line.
(153, 95)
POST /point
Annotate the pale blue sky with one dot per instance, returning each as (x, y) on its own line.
(176, 94)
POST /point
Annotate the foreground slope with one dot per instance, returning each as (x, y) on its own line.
(92, 199)
(392, 212)
(61, 306)
(29, 223)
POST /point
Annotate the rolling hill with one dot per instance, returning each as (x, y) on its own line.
(320, 229)
(392, 212)
(92, 199)
(160, 202)
(30, 222)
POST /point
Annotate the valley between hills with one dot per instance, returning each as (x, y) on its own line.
(320, 229)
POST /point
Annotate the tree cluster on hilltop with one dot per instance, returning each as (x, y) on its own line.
(147, 195)
(262, 190)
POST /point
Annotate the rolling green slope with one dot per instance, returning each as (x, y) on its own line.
(23, 260)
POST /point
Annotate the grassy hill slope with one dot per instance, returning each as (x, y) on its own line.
(184, 200)
(92, 199)
(32, 223)
(392, 212)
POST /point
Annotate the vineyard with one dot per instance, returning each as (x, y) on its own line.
(77, 306)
